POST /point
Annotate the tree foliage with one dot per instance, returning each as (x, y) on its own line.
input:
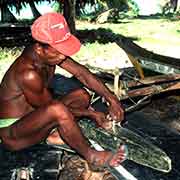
(19, 4)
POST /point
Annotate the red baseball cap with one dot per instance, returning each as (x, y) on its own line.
(51, 28)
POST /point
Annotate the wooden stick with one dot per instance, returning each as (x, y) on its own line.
(154, 80)
(154, 89)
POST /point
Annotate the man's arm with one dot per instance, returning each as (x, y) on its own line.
(93, 83)
(33, 88)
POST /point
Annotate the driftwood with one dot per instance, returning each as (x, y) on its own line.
(152, 90)
(147, 86)
(154, 80)
(137, 65)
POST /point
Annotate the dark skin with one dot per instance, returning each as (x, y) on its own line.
(24, 95)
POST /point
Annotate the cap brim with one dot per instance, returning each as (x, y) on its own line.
(68, 47)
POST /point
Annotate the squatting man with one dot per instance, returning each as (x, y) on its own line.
(28, 111)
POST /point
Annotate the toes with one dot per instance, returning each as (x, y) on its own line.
(119, 157)
(116, 160)
(122, 153)
(123, 150)
(116, 164)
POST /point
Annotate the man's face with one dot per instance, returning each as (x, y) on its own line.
(52, 56)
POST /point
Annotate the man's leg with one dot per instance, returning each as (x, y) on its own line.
(79, 98)
(35, 127)
(78, 102)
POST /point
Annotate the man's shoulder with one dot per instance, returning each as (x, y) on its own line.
(29, 74)
(25, 70)
(30, 79)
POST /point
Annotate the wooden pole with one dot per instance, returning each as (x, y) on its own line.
(151, 90)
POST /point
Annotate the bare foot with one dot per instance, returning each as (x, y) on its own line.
(55, 139)
(107, 158)
(119, 156)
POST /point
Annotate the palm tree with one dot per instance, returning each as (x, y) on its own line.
(70, 13)
(7, 16)
(174, 4)
(71, 8)
(34, 9)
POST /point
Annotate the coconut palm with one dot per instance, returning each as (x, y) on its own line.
(174, 4)
(7, 16)
(69, 8)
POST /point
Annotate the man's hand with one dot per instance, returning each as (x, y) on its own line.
(116, 112)
(102, 121)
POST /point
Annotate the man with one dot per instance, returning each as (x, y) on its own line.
(27, 106)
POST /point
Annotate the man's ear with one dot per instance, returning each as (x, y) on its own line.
(38, 48)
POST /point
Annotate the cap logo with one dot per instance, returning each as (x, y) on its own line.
(66, 36)
(57, 26)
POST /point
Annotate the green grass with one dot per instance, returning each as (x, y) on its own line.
(158, 35)
(6, 54)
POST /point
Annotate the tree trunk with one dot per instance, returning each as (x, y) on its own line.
(174, 4)
(34, 10)
(69, 14)
(6, 15)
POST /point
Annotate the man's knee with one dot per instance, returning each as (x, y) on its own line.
(57, 109)
(83, 94)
